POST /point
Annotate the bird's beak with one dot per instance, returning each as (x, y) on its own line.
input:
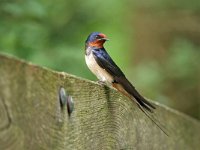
(105, 39)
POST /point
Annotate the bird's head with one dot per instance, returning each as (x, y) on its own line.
(96, 39)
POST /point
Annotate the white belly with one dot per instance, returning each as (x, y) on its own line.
(101, 74)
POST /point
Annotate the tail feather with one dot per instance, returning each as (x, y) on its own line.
(126, 88)
(154, 121)
(130, 89)
(142, 101)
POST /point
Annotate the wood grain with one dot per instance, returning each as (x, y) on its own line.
(31, 117)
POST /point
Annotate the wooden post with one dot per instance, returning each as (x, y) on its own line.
(31, 116)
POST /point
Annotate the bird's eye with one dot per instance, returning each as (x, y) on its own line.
(97, 37)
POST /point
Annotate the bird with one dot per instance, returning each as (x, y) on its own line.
(102, 65)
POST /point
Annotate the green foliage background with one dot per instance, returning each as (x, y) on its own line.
(52, 34)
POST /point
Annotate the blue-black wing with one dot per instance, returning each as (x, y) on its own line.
(105, 61)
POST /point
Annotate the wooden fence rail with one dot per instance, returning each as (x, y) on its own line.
(31, 117)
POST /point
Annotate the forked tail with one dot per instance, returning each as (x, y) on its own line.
(153, 120)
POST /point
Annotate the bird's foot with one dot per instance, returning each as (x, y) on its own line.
(101, 82)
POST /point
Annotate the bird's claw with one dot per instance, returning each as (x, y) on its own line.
(101, 82)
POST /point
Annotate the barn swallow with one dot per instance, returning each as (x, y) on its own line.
(102, 65)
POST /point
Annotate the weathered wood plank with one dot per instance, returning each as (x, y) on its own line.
(31, 117)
